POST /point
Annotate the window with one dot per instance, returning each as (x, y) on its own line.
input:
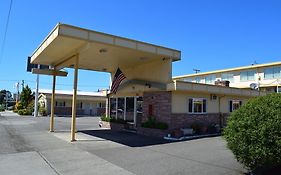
(247, 75)
(227, 76)
(187, 79)
(278, 89)
(197, 105)
(113, 105)
(198, 80)
(101, 105)
(271, 73)
(60, 103)
(234, 104)
(121, 107)
(210, 79)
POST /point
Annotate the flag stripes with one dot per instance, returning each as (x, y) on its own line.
(118, 78)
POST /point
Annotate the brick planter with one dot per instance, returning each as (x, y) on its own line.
(112, 126)
(152, 132)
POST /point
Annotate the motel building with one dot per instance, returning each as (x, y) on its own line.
(148, 89)
(265, 77)
(88, 103)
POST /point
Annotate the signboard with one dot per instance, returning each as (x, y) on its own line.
(31, 66)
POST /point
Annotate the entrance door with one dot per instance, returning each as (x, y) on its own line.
(127, 108)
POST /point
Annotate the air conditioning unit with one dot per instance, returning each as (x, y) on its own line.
(213, 97)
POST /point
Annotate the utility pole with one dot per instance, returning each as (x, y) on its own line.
(36, 95)
(6, 100)
(17, 88)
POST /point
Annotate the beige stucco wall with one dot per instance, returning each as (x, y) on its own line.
(180, 102)
(243, 84)
(89, 103)
(156, 71)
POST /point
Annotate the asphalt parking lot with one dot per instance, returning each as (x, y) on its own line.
(99, 151)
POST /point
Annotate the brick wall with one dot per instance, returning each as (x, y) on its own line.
(67, 111)
(160, 102)
(186, 120)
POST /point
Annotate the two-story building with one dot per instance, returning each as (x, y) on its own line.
(265, 77)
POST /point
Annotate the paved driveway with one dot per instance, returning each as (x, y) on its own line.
(122, 152)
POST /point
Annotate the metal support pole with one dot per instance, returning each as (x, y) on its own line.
(73, 121)
(135, 112)
(116, 109)
(53, 105)
(107, 105)
(36, 95)
(125, 108)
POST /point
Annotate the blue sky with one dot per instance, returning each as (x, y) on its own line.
(212, 34)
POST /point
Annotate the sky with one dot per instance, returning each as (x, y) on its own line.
(211, 34)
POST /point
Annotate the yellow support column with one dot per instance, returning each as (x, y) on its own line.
(53, 105)
(73, 121)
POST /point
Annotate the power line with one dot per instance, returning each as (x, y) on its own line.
(6, 29)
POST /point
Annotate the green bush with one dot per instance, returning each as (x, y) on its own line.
(42, 111)
(152, 123)
(24, 112)
(104, 118)
(113, 120)
(2, 107)
(253, 132)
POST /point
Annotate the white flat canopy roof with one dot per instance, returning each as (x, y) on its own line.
(97, 51)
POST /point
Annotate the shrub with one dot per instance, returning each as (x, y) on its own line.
(2, 108)
(18, 106)
(152, 123)
(104, 118)
(253, 132)
(42, 111)
(118, 120)
(196, 128)
(24, 112)
(113, 120)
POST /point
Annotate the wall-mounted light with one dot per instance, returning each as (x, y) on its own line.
(103, 50)
(148, 85)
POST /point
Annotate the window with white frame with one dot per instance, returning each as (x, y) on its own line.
(198, 80)
(187, 79)
(210, 79)
(247, 75)
(227, 77)
(272, 73)
(234, 104)
(197, 105)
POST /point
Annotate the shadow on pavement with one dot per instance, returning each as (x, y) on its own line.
(126, 138)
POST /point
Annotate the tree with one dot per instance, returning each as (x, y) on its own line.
(3, 94)
(253, 133)
(26, 96)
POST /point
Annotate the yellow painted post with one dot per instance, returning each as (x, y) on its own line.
(73, 121)
(53, 105)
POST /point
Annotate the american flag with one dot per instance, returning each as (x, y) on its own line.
(118, 78)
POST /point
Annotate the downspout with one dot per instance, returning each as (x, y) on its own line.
(220, 113)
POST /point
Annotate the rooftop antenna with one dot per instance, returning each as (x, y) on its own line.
(254, 63)
(196, 70)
